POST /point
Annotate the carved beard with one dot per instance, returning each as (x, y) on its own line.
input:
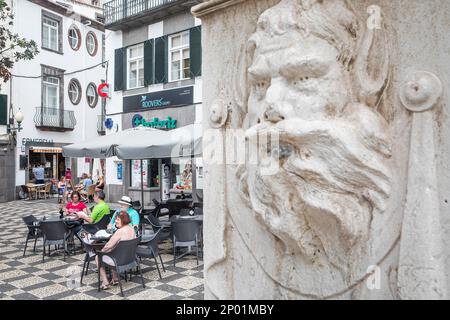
(333, 175)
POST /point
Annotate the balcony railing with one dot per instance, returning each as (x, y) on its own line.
(120, 13)
(54, 119)
(101, 125)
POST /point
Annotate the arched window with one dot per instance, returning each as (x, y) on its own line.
(91, 95)
(74, 91)
(74, 37)
(91, 43)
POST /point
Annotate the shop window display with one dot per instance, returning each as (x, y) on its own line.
(150, 172)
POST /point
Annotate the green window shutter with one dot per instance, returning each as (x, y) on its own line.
(120, 67)
(3, 109)
(161, 60)
(195, 43)
(148, 63)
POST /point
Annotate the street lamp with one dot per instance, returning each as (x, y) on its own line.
(11, 129)
(18, 117)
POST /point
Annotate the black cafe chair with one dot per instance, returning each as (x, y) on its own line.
(124, 259)
(198, 211)
(185, 212)
(54, 233)
(157, 225)
(89, 254)
(150, 250)
(185, 233)
(101, 225)
(136, 205)
(34, 231)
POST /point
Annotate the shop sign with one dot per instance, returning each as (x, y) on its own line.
(109, 123)
(159, 100)
(37, 142)
(139, 120)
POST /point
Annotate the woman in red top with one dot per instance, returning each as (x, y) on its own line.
(72, 209)
(75, 206)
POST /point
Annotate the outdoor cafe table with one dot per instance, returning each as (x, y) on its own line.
(66, 220)
(99, 242)
(34, 188)
(198, 218)
(175, 206)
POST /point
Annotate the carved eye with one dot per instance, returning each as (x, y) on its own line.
(301, 81)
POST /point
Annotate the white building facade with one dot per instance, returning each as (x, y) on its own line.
(57, 90)
(155, 74)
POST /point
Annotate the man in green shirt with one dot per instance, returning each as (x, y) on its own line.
(100, 210)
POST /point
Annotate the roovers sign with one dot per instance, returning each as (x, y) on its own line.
(159, 100)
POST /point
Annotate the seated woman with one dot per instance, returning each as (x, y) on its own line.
(100, 185)
(74, 209)
(68, 190)
(124, 232)
(62, 186)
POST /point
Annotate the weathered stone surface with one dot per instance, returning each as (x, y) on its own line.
(355, 204)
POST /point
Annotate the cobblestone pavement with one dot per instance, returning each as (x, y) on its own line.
(26, 277)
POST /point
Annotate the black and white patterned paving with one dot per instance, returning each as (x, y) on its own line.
(28, 278)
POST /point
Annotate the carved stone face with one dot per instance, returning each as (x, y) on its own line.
(333, 173)
(300, 81)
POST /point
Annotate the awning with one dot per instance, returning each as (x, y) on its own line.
(141, 143)
(105, 146)
(46, 149)
(181, 142)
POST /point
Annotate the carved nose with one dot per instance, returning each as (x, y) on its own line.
(274, 101)
(272, 114)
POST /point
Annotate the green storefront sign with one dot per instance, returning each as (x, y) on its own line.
(139, 120)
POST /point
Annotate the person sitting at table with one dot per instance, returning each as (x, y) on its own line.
(87, 182)
(124, 232)
(79, 187)
(125, 205)
(62, 186)
(69, 190)
(74, 209)
(99, 211)
(100, 185)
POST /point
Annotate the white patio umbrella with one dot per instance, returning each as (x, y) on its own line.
(181, 142)
(105, 146)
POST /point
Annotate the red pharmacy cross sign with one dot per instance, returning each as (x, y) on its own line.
(103, 90)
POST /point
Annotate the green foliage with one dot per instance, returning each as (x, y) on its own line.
(13, 48)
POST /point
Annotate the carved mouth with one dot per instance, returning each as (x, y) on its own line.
(272, 142)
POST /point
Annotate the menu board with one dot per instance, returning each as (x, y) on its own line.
(136, 173)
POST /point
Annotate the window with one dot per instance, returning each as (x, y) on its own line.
(179, 56)
(74, 91)
(50, 33)
(91, 95)
(150, 173)
(135, 66)
(91, 43)
(74, 37)
(50, 94)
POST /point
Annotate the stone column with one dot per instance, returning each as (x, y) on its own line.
(350, 198)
